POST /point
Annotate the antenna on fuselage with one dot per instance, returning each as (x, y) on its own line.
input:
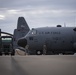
(75, 21)
(64, 24)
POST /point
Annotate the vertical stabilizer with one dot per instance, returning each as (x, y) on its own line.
(21, 31)
(22, 24)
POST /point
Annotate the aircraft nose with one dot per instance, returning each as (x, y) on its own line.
(22, 42)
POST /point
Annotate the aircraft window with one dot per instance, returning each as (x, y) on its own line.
(63, 41)
(55, 41)
(41, 32)
(30, 38)
(34, 32)
(47, 32)
(71, 41)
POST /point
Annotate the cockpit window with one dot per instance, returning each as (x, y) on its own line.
(34, 32)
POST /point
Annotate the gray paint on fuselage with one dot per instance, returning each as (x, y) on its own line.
(55, 38)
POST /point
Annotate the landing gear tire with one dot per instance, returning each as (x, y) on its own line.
(6, 53)
(39, 52)
(68, 53)
(13, 53)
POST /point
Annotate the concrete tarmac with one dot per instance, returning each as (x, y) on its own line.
(38, 65)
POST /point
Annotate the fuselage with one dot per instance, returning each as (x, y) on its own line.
(56, 39)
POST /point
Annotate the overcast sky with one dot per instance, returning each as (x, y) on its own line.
(38, 13)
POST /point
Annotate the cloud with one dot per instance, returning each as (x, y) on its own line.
(55, 4)
(12, 11)
(2, 17)
(37, 13)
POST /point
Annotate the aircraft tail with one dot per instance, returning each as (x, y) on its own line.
(21, 31)
(22, 24)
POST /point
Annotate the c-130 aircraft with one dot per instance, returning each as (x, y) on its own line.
(50, 40)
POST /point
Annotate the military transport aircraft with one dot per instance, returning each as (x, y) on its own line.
(50, 40)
